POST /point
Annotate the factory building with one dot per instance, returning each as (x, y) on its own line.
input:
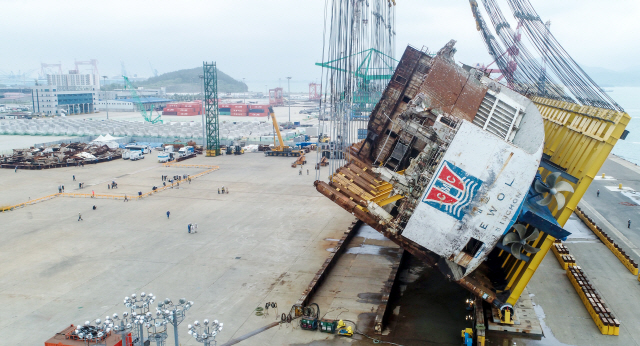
(71, 93)
(130, 105)
(51, 99)
(73, 79)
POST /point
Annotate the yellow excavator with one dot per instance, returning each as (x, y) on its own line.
(280, 149)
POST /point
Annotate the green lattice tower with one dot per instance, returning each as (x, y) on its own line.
(212, 129)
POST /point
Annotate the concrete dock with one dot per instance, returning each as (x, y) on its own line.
(261, 242)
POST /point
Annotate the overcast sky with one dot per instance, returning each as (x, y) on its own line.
(263, 41)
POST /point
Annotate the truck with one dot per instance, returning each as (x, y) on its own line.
(166, 157)
(168, 149)
(185, 151)
(280, 149)
(126, 154)
(136, 155)
(143, 149)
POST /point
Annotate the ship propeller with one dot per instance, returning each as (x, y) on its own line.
(518, 240)
(553, 187)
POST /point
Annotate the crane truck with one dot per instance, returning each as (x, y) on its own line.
(280, 149)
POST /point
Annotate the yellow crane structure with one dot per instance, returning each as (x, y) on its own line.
(280, 149)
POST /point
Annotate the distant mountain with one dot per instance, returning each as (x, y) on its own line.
(189, 81)
(608, 78)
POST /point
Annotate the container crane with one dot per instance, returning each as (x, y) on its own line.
(280, 149)
(136, 98)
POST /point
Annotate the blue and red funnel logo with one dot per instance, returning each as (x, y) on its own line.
(452, 190)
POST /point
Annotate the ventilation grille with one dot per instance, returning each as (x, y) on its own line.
(496, 116)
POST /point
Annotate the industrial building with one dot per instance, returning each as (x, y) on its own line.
(130, 105)
(126, 93)
(71, 93)
(51, 99)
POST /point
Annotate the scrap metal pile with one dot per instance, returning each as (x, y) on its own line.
(60, 155)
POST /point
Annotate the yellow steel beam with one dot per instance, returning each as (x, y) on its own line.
(390, 200)
(578, 138)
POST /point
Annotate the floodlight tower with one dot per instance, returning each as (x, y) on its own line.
(157, 328)
(92, 334)
(205, 333)
(121, 325)
(174, 313)
(139, 308)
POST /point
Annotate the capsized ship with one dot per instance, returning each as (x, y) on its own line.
(447, 167)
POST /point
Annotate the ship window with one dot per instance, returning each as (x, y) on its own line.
(401, 80)
(473, 246)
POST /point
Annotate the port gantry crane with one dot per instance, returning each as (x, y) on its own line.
(136, 98)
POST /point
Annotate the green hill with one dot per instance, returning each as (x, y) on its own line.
(189, 81)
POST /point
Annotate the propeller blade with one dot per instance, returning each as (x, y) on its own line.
(539, 187)
(521, 229)
(530, 249)
(510, 238)
(564, 186)
(533, 236)
(547, 200)
(551, 179)
(560, 199)
(515, 250)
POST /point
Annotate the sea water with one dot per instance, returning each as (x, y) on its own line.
(629, 99)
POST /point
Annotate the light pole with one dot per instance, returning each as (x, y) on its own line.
(104, 78)
(123, 329)
(205, 333)
(139, 308)
(244, 93)
(289, 92)
(174, 313)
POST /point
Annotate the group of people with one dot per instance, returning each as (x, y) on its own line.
(300, 172)
(60, 188)
(224, 190)
(192, 228)
(113, 185)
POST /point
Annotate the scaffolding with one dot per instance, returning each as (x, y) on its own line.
(212, 125)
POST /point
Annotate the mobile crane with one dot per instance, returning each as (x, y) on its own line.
(280, 149)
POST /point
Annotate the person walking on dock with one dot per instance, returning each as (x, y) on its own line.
(16, 169)
(189, 228)
(307, 172)
(93, 194)
(598, 193)
(168, 214)
(62, 188)
(74, 177)
(629, 223)
(125, 198)
(80, 217)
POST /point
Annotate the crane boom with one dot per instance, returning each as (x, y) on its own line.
(280, 149)
(277, 128)
(136, 98)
